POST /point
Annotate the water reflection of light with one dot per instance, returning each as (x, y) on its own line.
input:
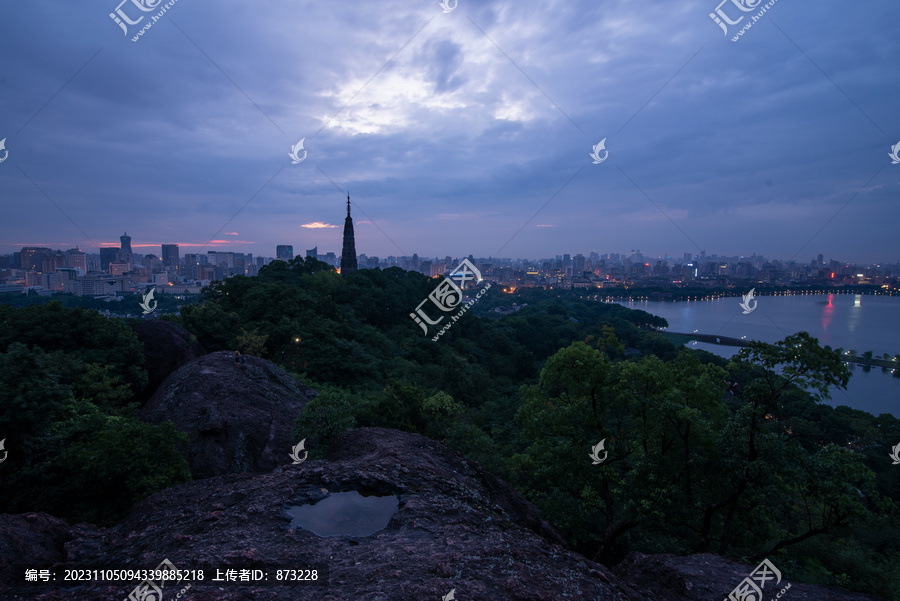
(855, 316)
(828, 314)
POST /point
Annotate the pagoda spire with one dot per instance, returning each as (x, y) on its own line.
(348, 253)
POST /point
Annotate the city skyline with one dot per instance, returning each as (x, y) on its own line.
(471, 132)
(620, 255)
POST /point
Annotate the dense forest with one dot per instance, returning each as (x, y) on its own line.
(739, 458)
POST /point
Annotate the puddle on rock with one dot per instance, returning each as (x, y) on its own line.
(345, 514)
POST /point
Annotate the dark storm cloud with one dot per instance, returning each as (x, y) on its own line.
(457, 140)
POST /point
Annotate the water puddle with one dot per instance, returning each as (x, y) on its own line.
(345, 514)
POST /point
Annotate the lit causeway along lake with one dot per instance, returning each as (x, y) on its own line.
(849, 321)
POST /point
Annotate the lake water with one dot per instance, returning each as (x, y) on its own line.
(848, 321)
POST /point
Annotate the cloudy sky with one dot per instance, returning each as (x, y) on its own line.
(456, 133)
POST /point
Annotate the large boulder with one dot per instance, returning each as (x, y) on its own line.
(167, 346)
(30, 537)
(237, 419)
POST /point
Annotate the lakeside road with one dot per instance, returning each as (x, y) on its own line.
(682, 338)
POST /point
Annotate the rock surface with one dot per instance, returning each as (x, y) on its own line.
(667, 577)
(451, 531)
(237, 419)
(457, 528)
(167, 346)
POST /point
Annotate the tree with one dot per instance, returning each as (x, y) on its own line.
(758, 462)
(323, 418)
(94, 467)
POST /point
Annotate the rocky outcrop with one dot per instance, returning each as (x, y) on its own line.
(167, 346)
(451, 531)
(237, 419)
(30, 537)
(667, 577)
(456, 528)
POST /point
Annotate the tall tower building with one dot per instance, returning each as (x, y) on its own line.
(77, 259)
(107, 256)
(32, 257)
(284, 252)
(125, 255)
(170, 255)
(348, 254)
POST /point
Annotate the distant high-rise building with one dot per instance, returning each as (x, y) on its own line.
(170, 255)
(107, 256)
(313, 252)
(192, 266)
(151, 262)
(32, 257)
(240, 264)
(53, 261)
(77, 259)
(687, 258)
(284, 252)
(124, 253)
(118, 268)
(578, 264)
(348, 254)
